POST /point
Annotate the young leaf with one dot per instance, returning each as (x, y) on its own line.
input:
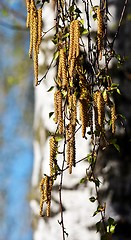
(50, 89)
(56, 54)
(50, 114)
(92, 199)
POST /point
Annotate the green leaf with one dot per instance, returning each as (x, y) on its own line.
(71, 9)
(56, 54)
(97, 182)
(114, 85)
(94, 16)
(92, 199)
(111, 225)
(111, 221)
(82, 180)
(122, 116)
(77, 10)
(82, 21)
(84, 32)
(117, 147)
(98, 226)
(89, 158)
(58, 138)
(50, 89)
(50, 114)
(118, 91)
(66, 35)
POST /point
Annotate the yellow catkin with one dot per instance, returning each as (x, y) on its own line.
(60, 112)
(68, 144)
(84, 104)
(74, 47)
(70, 150)
(113, 117)
(44, 193)
(35, 45)
(71, 47)
(31, 28)
(34, 21)
(46, 186)
(39, 11)
(74, 109)
(48, 209)
(71, 66)
(99, 108)
(49, 197)
(53, 151)
(99, 31)
(28, 13)
(62, 72)
(45, 189)
(76, 37)
(42, 196)
(56, 106)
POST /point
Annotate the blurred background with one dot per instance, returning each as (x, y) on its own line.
(16, 121)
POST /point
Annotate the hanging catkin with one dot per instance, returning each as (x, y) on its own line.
(62, 72)
(74, 47)
(99, 109)
(60, 112)
(71, 46)
(70, 150)
(28, 13)
(34, 22)
(53, 152)
(45, 190)
(100, 31)
(76, 37)
(113, 117)
(39, 11)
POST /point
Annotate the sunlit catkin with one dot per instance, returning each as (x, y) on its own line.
(28, 13)
(56, 106)
(76, 37)
(70, 150)
(46, 188)
(53, 152)
(39, 11)
(60, 112)
(71, 46)
(99, 108)
(113, 117)
(31, 28)
(42, 196)
(83, 115)
(100, 31)
(49, 197)
(63, 68)
(35, 45)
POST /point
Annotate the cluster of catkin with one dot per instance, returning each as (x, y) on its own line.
(100, 31)
(100, 100)
(74, 47)
(47, 181)
(34, 22)
(45, 190)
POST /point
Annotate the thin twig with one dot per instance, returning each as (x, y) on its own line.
(120, 21)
